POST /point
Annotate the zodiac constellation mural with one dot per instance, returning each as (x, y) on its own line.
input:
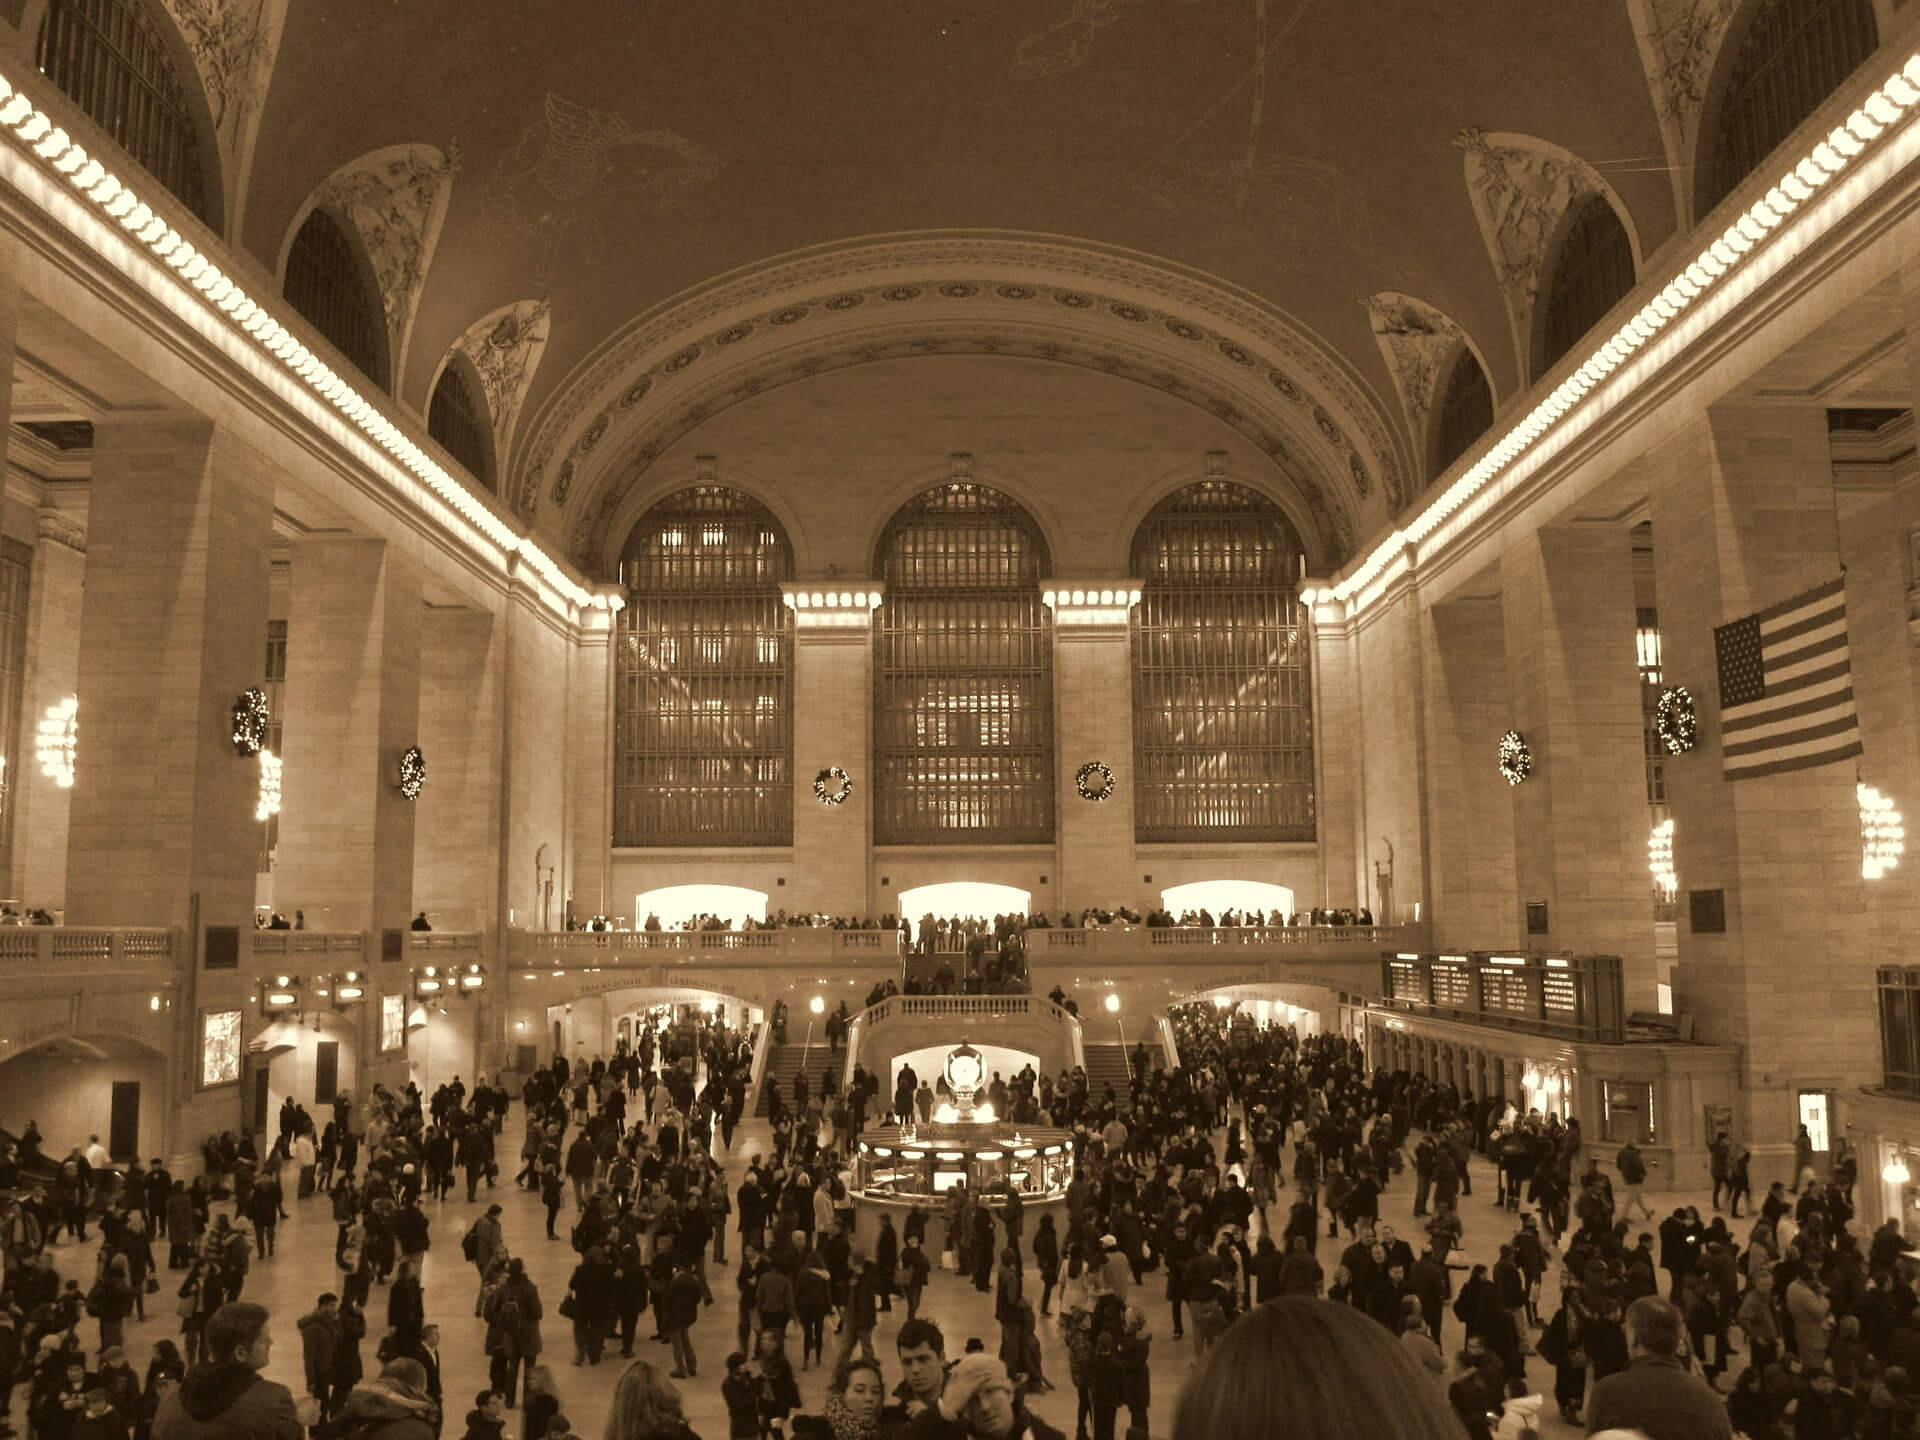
(552, 182)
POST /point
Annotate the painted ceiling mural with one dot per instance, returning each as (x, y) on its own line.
(1297, 152)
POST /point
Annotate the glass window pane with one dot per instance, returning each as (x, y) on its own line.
(703, 679)
(1222, 718)
(963, 674)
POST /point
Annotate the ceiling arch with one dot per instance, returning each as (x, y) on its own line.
(967, 292)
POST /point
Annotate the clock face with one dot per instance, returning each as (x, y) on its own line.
(963, 1071)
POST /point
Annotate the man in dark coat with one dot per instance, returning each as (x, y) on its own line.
(1656, 1393)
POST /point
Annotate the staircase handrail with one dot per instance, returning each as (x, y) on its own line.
(762, 1048)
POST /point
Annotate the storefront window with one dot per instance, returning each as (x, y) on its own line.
(393, 1022)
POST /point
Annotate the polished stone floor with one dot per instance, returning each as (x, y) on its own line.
(303, 1268)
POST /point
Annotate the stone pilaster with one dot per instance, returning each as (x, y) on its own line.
(353, 706)
(1743, 517)
(1580, 822)
(1336, 758)
(40, 806)
(1093, 703)
(833, 725)
(590, 763)
(1471, 829)
(456, 835)
(1392, 820)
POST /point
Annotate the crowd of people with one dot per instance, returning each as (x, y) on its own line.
(1239, 1188)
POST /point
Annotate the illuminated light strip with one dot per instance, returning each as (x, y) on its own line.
(121, 207)
(1860, 134)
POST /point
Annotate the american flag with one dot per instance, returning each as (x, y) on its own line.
(1786, 686)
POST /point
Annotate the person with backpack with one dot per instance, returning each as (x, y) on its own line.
(1633, 1174)
(513, 1329)
(482, 1245)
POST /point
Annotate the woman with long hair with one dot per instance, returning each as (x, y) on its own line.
(1310, 1368)
(852, 1409)
(646, 1406)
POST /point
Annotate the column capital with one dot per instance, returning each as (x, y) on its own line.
(61, 528)
(1091, 604)
(832, 604)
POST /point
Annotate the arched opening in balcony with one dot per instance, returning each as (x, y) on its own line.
(681, 907)
(964, 900)
(1219, 897)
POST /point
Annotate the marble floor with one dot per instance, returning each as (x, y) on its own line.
(289, 1281)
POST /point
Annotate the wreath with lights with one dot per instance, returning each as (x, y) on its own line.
(1516, 760)
(1095, 792)
(413, 772)
(1675, 720)
(840, 782)
(250, 716)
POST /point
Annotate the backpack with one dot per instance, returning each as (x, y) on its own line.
(470, 1244)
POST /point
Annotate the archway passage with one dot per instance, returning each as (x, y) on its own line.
(964, 899)
(73, 1088)
(678, 907)
(1217, 897)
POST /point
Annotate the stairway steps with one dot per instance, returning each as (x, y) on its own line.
(784, 1063)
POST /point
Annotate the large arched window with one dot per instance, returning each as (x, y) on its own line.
(1594, 269)
(1793, 55)
(963, 674)
(457, 418)
(110, 59)
(327, 283)
(1465, 413)
(1222, 714)
(703, 677)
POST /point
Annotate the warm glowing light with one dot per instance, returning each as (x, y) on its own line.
(58, 742)
(1660, 858)
(1217, 897)
(983, 1114)
(817, 1005)
(1883, 838)
(944, 1113)
(1221, 1002)
(959, 899)
(1113, 1004)
(269, 802)
(680, 905)
(1895, 1171)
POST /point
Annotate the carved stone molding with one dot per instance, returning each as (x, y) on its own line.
(397, 200)
(1679, 44)
(1415, 340)
(1521, 188)
(505, 347)
(61, 529)
(1030, 281)
(1266, 406)
(234, 45)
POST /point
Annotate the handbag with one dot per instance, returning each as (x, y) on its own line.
(567, 1306)
(153, 1284)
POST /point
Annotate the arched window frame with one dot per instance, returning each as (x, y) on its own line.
(1445, 442)
(467, 399)
(1222, 648)
(704, 654)
(78, 30)
(1592, 271)
(963, 740)
(1827, 39)
(353, 283)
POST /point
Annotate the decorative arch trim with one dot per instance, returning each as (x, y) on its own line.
(1151, 497)
(1522, 189)
(708, 470)
(1418, 341)
(977, 292)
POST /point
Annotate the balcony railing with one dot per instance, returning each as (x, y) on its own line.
(1575, 997)
(359, 949)
(964, 1007)
(59, 947)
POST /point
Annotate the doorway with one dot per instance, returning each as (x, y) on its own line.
(123, 1122)
(326, 1072)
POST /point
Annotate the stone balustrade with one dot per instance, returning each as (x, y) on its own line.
(48, 949)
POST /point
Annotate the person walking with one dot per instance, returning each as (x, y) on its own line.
(1656, 1393)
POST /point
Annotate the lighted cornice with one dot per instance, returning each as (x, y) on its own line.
(1767, 228)
(125, 232)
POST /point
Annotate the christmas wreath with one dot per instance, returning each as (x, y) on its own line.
(1675, 720)
(250, 716)
(1516, 760)
(834, 776)
(1101, 787)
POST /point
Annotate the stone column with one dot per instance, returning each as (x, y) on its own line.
(456, 834)
(40, 806)
(1337, 763)
(590, 756)
(1743, 517)
(162, 830)
(1388, 682)
(353, 706)
(1470, 825)
(1093, 706)
(833, 725)
(1580, 822)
